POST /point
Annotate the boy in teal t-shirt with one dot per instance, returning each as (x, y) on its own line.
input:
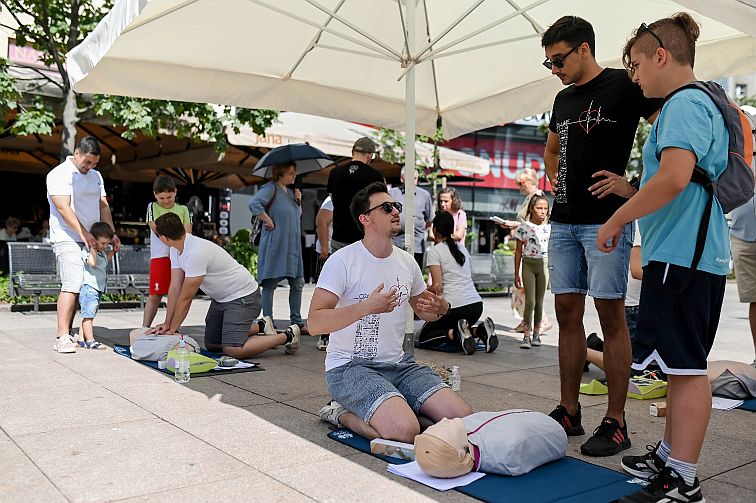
(164, 189)
(679, 307)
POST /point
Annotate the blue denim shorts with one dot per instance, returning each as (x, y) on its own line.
(89, 300)
(361, 386)
(577, 266)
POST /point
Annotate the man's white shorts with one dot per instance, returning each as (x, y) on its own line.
(70, 265)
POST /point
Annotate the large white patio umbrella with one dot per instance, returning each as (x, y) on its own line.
(394, 63)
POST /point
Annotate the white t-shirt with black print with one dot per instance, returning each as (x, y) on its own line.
(352, 273)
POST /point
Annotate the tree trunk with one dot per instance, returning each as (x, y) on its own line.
(70, 118)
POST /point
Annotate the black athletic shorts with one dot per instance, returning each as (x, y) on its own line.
(677, 323)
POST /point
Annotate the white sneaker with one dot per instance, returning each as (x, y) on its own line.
(291, 347)
(270, 327)
(331, 412)
(322, 344)
(525, 344)
(64, 344)
(536, 340)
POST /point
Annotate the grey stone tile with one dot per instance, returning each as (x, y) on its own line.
(168, 399)
(39, 375)
(254, 486)
(744, 476)
(534, 383)
(127, 459)
(20, 480)
(304, 424)
(83, 406)
(279, 381)
(348, 480)
(716, 491)
(226, 393)
(257, 442)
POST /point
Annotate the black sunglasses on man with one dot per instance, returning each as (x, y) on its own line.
(559, 60)
(388, 207)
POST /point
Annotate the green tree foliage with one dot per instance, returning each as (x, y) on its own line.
(393, 144)
(54, 27)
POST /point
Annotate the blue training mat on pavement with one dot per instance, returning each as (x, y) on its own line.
(749, 405)
(125, 351)
(567, 479)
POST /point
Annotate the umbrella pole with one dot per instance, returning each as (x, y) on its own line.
(409, 166)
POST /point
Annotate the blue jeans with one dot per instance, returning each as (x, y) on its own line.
(89, 301)
(577, 266)
(295, 298)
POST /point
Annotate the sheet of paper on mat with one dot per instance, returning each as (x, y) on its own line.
(240, 365)
(413, 472)
(717, 402)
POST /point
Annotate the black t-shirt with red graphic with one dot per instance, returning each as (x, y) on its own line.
(596, 124)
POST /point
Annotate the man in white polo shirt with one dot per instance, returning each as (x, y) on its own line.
(230, 326)
(76, 194)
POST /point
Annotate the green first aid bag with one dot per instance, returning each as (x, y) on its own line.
(197, 363)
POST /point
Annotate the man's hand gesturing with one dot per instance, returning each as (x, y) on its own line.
(379, 302)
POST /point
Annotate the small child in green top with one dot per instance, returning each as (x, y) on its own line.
(164, 189)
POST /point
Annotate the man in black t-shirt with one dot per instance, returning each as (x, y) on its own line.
(590, 136)
(343, 183)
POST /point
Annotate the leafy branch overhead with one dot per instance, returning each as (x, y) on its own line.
(54, 27)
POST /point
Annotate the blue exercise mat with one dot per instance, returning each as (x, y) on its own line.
(749, 405)
(126, 351)
(450, 347)
(567, 479)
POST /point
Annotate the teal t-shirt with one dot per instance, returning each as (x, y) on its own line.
(690, 121)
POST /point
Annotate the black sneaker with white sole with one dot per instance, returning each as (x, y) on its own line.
(487, 334)
(645, 466)
(667, 486)
(465, 337)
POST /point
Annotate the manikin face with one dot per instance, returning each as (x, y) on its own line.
(568, 55)
(85, 162)
(378, 220)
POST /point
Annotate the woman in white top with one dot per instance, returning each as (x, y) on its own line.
(449, 264)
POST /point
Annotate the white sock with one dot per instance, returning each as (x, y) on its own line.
(663, 451)
(686, 470)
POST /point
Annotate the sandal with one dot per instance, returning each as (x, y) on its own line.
(94, 345)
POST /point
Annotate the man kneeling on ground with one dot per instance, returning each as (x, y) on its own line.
(362, 298)
(230, 326)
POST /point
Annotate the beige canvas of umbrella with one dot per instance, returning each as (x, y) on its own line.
(394, 63)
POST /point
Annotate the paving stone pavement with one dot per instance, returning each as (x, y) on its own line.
(94, 426)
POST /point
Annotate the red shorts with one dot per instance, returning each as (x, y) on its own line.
(160, 275)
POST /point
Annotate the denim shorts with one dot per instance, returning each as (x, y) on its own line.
(228, 323)
(577, 266)
(361, 386)
(89, 300)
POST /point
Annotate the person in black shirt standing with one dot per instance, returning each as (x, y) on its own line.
(343, 183)
(590, 136)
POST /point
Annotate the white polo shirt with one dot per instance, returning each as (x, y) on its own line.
(85, 192)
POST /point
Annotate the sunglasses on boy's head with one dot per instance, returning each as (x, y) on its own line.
(388, 207)
(644, 27)
(559, 60)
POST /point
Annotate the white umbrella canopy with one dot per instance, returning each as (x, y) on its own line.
(336, 137)
(477, 61)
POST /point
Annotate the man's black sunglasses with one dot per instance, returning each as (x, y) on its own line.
(388, 207)
(559, 61)
(644, 27)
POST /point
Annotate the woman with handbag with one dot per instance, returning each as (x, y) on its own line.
(280, 251)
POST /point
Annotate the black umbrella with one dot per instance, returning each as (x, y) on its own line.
(308, 159)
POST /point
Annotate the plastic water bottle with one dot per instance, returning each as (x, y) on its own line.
(182, 363)
(455, 380)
